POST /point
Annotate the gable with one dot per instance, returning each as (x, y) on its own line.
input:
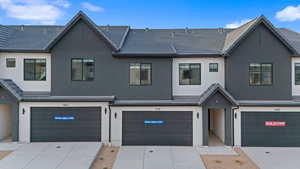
(81, 36)
(79, 18)
(235, 38)
(217, 100)
(261, 42)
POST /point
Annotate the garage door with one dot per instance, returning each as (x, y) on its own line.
(271, 129)
(65, 124)
(157, 128)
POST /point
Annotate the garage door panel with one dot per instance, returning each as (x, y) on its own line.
(255, 133)
(175, 130)
(86, 125)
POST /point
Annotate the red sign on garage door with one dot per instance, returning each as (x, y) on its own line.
(275, 123)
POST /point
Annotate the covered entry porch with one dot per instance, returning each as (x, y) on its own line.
(217, 105)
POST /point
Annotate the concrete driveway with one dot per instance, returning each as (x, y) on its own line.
(51, 156)
(144, 157)
(274, 157)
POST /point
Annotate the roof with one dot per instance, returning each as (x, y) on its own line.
(12, 88)
(20, 95)
(126, 41)
(214, 88)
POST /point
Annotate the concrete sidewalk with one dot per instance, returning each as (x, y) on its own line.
(145, 157)
(52, 156)
(274, 157)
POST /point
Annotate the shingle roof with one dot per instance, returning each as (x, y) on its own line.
(168, 42)
(12, 88)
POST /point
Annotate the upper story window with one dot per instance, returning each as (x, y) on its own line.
(140, 73)
(261, 74)
(35, 69)
(189, 74)
(10, 62)
(297, 73)
(82, 69)
(213, 67)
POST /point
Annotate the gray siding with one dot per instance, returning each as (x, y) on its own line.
(261, 46)
(111, 74)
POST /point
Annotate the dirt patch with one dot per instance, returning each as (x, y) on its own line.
(240, 161)
(4, 154)
(105, 158)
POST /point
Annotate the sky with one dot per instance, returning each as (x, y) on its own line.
(153, 13)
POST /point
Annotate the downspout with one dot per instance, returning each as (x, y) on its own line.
(109, 125)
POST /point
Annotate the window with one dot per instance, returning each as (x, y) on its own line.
(35, 69)
(82, 69)
(213, 67)
(189, 74)
(140, 74)
(10, 62)
(297, 73)
(261, 74)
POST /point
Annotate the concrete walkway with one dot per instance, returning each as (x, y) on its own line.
(51, 156)
(144, 157)
(274, 157)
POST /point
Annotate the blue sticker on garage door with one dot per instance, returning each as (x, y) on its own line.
(153, 122)
(64, 118)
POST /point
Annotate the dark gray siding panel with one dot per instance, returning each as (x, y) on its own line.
(85, 127)
(7, 98)
(111, 74)
(255, 133)
(177, 128)
(261, 46)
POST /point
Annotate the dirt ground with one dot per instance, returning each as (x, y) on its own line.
(240, 161)
(4, 154)
(105, 158)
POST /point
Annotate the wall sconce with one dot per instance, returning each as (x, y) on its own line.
(116, 115)
(198, 115)
(23, 111)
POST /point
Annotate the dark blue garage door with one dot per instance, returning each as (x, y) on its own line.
(157, 128)
(271, 129)
(50, 124)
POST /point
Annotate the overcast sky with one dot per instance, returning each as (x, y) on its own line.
(153, 13)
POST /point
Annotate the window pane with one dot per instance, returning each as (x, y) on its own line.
(10, 62)
(266, 74)
(88, 69)
(255, 74)
(297, 73)
(29, 69)
(135, 73)
(213, 67)
(195, 74)
(184, 74)
(40, 69)
(146, 74)
(76, 69)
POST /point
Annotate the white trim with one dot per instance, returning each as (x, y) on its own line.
(17, 73)
(24, 119)
(207, 78)
(116, 124)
